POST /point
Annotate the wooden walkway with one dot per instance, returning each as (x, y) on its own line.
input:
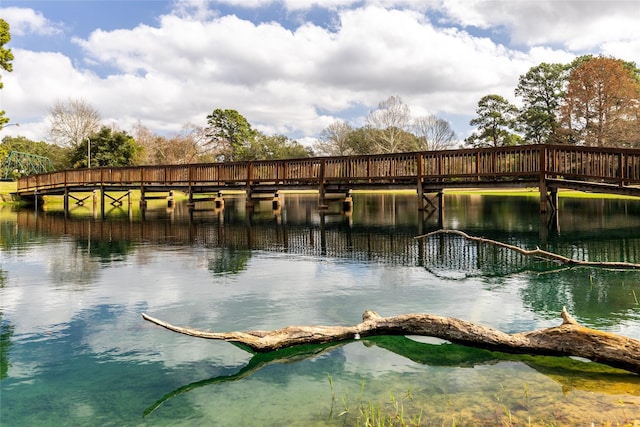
(547, 167)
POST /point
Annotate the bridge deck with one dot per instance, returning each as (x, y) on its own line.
(548, 167)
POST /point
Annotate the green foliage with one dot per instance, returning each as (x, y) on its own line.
(229, 133)
(5, 60)
(5, 54)
(59, 156)
(590, 101)
(496, 122)
(108, 148)
(265, 147)
(542, 89)
(6, 334)
(229, 261)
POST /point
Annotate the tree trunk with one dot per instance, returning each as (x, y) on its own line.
(568, 339)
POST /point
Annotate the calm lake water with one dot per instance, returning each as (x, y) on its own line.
(75, 350)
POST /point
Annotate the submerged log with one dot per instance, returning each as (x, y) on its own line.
(537, 252)
(568, 339)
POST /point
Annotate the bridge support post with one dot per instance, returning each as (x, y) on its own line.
(322, 199)
(143, 201)
(553, 199)
(275, 202)
(102, 196)
(249, 203)
(347, 204)
(66, 201)
(322, 202)
(219, 201)
(542, 188)
(548, 198)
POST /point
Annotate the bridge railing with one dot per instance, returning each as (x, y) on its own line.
(609, 165)
(471, 165)
(525, 162)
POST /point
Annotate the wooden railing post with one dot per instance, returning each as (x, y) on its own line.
(621, 163)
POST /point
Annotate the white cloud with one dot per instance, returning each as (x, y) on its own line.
(28, 21)
(296, 82)
(574, 24)
(277, 77)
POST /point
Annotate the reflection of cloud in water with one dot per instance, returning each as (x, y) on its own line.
(372, 361)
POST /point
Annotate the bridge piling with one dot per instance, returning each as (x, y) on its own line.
(219, 201)
(347, 204)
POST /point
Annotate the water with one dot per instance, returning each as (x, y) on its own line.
(75, 350)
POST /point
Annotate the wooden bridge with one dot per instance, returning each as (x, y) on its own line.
(547, 167)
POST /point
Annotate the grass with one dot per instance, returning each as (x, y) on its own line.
(506, 407)
(375, 414)
(6, 188)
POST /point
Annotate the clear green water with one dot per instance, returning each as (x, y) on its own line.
(75, 350)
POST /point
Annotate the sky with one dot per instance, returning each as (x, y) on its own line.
(290, 67)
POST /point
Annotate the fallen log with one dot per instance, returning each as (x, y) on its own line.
(568, 339)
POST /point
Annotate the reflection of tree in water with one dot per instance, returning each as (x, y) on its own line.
(6, 332)
(571, 374)
(598, 297)
(106, 250)
(228, 260)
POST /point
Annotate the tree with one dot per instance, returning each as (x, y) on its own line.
(183, 148)
(71, 122)
(433, 133)
(59, 156)
(601, 106)
(496, 123)
(108, 148)
(265, 147)
(391, 119)
(359, 141)
(542, 89)
(229, 133)
(334, 140)
(5, 60)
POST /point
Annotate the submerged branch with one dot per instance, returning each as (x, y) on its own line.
(537, 252)
(568, 339)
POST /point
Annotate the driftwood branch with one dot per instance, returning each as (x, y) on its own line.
(568, 339)
(537, 252)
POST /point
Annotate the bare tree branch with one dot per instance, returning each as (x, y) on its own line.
(568, 339)
(537, 252)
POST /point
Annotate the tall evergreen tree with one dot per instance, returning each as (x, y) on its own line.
(542, 89)
(496, 122)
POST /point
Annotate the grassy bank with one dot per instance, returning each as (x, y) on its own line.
(6, 188)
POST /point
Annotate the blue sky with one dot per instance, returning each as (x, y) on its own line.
(291, 67)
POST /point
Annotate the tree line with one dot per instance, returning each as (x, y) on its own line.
(593, 101)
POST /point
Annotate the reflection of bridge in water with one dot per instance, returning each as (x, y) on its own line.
(335, 236)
